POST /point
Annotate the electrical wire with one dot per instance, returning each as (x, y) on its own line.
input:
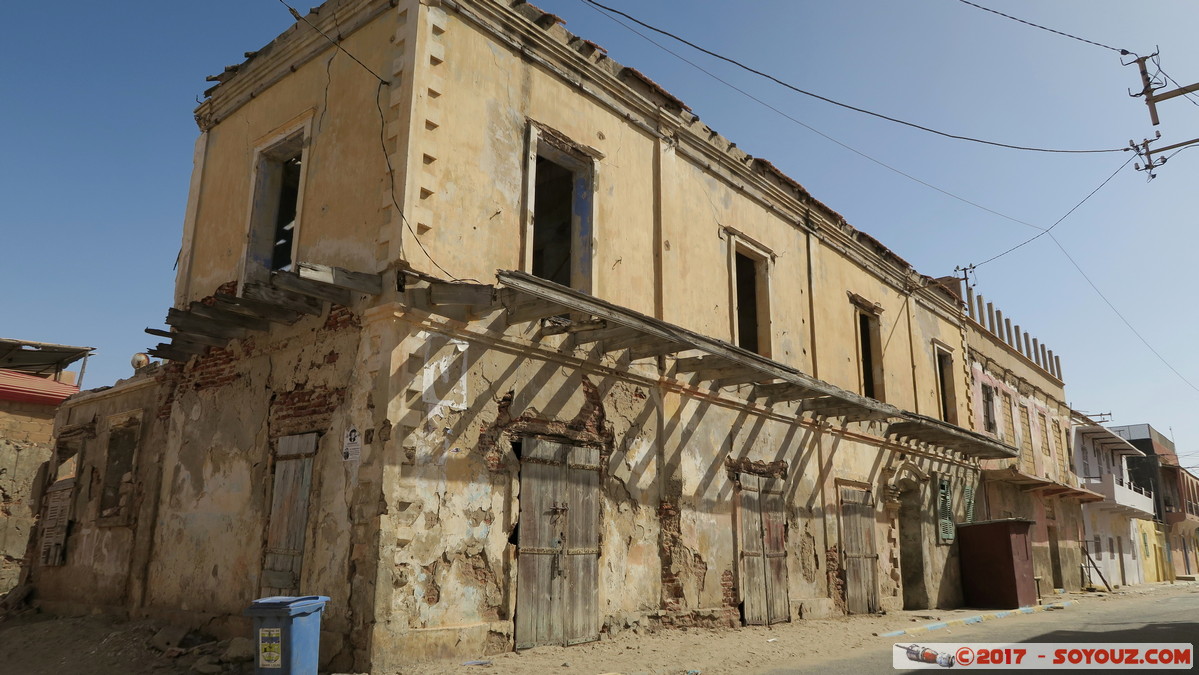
(1049, 229)
(333, 42)
(1123, 52)
(811, 128)
(833, 101)
(1117, 313)
(382, 140)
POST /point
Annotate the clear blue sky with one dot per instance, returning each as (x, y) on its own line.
(97, 141)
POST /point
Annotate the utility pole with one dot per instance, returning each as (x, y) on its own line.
(1151, 100)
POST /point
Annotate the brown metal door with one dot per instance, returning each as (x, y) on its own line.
(859, 561)
(284, 556)
(763, 525)
(558, 545)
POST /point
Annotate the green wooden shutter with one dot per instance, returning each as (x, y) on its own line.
(969, 496)
(945, 512)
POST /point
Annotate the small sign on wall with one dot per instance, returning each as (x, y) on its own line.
(351, 447)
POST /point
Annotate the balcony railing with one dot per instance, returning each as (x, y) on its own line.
(1122, 495)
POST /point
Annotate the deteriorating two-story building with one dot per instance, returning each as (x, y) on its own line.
(491, 340)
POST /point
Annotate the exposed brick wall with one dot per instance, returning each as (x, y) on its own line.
(304, 409)
(341, 317)
(24, 422)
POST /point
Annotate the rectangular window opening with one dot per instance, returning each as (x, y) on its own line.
(276, 208)
(945, 386)
(285, 219)
(553, 199)
(747, 303)
(118, 470)
(869, 356)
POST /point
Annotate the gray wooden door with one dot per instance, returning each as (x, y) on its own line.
(763, 526)
(859, 561)
(284, 555)
(557, 584)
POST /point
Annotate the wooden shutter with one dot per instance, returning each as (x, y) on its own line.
(969, 497)
(284, 557)
(52, 548)
(582, 545)
(945, 511)
(753, 552)
(774, 538)
(859, 561)
(557, 589)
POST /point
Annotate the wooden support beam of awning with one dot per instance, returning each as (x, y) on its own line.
(191, 337)
(320, 290)
(170, 353)
(227, 317)
(462, 294)
(656, 347)
(572, 327)
(917, 427)
(606, 335)
(784, 391)
(830, 406)
(283, 298)
(263, 310)
(361, 282)
(533, 310)
(190, 323)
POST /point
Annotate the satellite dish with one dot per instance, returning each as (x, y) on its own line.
(140, 360)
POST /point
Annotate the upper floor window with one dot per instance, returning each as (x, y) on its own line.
(946, 385)
(560, 216)
(279, 175)
(989, 424)
(869, 352)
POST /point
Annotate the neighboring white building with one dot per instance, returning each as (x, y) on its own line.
(1111, 535)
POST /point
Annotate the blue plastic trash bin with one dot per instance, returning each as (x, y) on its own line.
(287, 632)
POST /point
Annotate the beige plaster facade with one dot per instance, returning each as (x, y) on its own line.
(421, 416)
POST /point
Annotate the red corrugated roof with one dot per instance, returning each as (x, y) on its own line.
(26, 388)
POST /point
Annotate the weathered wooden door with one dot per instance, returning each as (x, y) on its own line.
(859, 561)
(284, 555)
(763, 525)
(557, 584)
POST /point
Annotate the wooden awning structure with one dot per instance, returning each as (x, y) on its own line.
(589, 320)
(1044, 486)
(1103, 438)
(285, 298)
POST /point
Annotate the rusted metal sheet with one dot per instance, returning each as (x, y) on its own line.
(557, 591)
(284, 556)
(859, 559)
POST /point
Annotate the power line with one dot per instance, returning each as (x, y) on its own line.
(333, 42)
(1059, 220)
(811, 128)
(382, 139)
(1117, 312)
(1123, 52)
(832, 101)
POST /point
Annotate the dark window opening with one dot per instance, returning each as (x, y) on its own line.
(989, 423)
(747, 303)
(285, 220)
(552, 208)
(949, 411)
(118, 471)
(866, 339)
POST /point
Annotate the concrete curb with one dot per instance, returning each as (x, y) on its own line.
(920, 630)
